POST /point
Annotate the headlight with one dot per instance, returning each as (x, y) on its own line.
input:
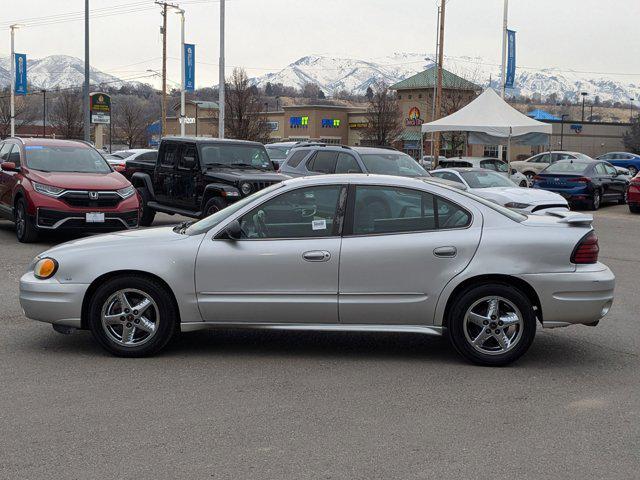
(517, 205)
(45, 268)
(126, 192)
(246, 188)
(47, 189)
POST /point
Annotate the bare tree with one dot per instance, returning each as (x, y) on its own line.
(25, 110)
(65, 113)
(631, 138)
(244, 103)
(383, 116)
(131, 115)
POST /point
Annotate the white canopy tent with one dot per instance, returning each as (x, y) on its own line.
(494, 121)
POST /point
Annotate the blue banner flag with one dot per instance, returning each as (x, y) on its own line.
(21, 73)
(511, 59)
(189, 67)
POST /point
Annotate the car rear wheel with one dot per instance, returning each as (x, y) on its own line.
(530, 176)
(26, 230)
(148, 214)
(623, 199)
(132, 316)
(212, 206)
(524, 183)
(594, 203)
(492, 324)
(634, 208)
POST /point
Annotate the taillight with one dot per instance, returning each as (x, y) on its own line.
(587, 249)
(537, 178)
(581, 180)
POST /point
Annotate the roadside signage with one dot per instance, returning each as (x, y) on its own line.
(299, 122)
(414, 119)
(511, 59)
(273, 126)
(330, 123)
(21, 73)
(189, 67)
(100, 108)
(576, 127)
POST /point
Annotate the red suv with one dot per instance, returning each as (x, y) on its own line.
(50, 185)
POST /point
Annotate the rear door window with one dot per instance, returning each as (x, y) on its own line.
(323, 162)
(600, 170)
(188, 158)
(169, 155)
(347, 164)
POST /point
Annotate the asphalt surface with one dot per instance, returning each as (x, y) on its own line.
(282, 405)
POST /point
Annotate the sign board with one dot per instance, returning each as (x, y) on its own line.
(21, 74)
(273, 126)
(299, 122)
(100, 108)
(330, 123)
(511, 59)
(414, 119)
(576, 127)
(187, 120)
(189, 67)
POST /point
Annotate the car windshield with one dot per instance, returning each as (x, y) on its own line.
(211, 221)
(277, 153)
(486, 180)
(124, 153)
(79, 159)
(393, 164)
(235, 156)
(566, 167)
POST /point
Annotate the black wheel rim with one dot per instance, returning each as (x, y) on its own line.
(21, 221)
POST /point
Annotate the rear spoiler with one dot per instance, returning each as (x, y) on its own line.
(572, 218)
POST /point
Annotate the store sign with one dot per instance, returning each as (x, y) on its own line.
(100, 108)
(187, 120)
(21, 74)
(299, 122)
(358, 124)
(273, 126)
(189, 67)
(576, 127)
(330, 123)
(414, 118)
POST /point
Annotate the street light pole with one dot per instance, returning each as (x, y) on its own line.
(631, 109)
(44, 113)
(221, 82)
(584, 95)
(505, 19)
(13, 79)
(182, 69)
(85, 92)
(562, 129)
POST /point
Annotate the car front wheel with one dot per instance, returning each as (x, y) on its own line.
(492, 324)
(132, 316)
(26, 231)
(148, 214)
(633, 171)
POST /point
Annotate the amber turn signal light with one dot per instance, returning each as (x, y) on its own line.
(45, 268)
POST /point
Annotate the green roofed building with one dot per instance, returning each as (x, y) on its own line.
(416, 95)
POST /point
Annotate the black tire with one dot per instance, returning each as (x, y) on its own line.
(595, 201)
(456, 324)
(634, 208)
(623, 200)
(633, 171)
(166, 322)
(26, 231)
(530, 176)
(148, 214)
(524, 184)
(212, 206)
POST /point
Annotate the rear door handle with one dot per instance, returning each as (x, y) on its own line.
(446, 252)
(316, 256)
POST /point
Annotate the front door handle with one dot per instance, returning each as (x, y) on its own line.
(445, 252)
(316, 256)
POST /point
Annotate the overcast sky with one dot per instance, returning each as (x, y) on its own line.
(266, 35)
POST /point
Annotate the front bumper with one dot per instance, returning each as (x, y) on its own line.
(51, 301)
(580, 297)
(48, 219)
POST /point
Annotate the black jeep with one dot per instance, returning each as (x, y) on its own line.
(196, 177)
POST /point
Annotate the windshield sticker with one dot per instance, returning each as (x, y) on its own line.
(319, 224)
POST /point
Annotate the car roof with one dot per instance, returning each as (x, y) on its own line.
(369, 150)
(51, 142)
(228, 141)
(280, 144)
(468, 159)
(464, 169)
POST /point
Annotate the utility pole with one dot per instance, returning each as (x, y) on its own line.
(631, 99)
(433, 96)
(182, 70)
(503, 71)
(13, 79)
(439, 86)
(584, 95)
(221, 81)
(85, 89)
(44, 113)
(163, 104)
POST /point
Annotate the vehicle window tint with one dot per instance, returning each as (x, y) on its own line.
(600, 170)
(305, 212)
(14, 155)
(501, 166)
(347, 164)
(323, 162)
(543, 158)
(188, 158)
(169, 155)
(567, 167)
(392, 210)
(447, 176)
(610, 169)
(5, 148)
(296, 158)
(149, 157)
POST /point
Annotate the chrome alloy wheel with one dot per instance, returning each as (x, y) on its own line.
(21, 220)
(493, 325)
(130, 317)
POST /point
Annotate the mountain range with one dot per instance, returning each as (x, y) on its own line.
(337, 73)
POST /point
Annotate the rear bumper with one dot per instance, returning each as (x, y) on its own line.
(579, 193)
(580, 297)
(51, 301)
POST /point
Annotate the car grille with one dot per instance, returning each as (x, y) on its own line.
(255, 186)
(83, 199)
(48, 218)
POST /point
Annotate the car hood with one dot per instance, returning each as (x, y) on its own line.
(127, 238)
(248, 174)
(80, 181)
(530, 196)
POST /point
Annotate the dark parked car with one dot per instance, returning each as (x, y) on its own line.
(589, 182)
(324, 159)
(627, 160)
(195, 176)
(52, 185)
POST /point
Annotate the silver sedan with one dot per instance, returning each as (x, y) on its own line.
(333, 253)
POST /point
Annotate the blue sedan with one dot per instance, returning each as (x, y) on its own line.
(589, 182)
(630, 161)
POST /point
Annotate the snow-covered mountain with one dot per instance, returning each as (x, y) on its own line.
(334, 73)
(57, 71)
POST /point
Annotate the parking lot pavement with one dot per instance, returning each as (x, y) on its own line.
(286, 405)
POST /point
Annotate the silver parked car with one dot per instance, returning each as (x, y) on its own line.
(487, 163)
(338, 253)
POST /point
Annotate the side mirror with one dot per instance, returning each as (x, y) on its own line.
(233, 230)
(276, 165)
(8, 167)
(513, 171)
